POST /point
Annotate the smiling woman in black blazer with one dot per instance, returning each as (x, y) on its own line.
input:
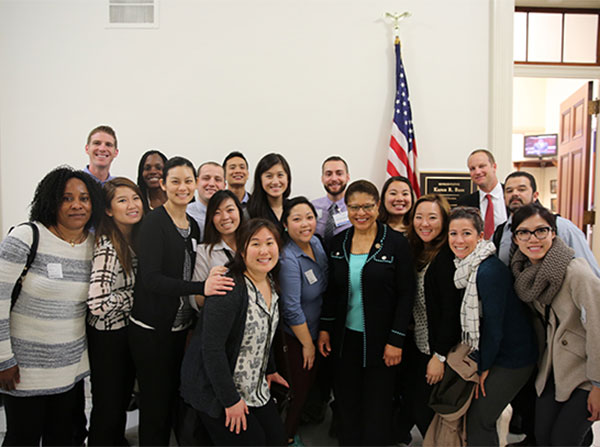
(366, 311)
(436, 312)
(161, 314)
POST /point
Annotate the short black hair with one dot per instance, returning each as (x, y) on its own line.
(363, 186)
(49, 193)
(523, 174)
(533, 209)
(335, 158)
(289, 205)
(173, 162)
(234, 154)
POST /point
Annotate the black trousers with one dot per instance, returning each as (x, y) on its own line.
(46, 418)
(501, 386)
(300, 381)
(157, 357)
(264, 427)
(414, 390)
(112, 376)
(363, 396)
(561, 423)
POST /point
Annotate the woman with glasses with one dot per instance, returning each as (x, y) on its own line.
(366, 310)
(564, 292)
(494, 324)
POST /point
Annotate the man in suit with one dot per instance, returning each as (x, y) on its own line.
(490, 197)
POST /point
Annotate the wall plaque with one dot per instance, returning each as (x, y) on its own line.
(451, 185)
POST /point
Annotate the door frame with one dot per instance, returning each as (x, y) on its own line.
(502, 72)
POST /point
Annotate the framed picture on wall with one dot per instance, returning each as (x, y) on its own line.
(553, 205)
(451, 185)
(553, 186)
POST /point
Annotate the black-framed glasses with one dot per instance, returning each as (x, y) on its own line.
(539, 233)
(366, 208)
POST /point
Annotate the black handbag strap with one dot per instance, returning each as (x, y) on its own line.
(30, 257)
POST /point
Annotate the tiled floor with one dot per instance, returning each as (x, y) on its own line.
(311, 434)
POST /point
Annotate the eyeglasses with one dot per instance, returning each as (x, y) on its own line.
(366, 208)
(539, 233)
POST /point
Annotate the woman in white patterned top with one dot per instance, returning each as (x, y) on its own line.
(109, 302)
(228, 367)
(43, 354)
(435, 313)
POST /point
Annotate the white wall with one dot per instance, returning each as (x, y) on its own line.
(307, 78)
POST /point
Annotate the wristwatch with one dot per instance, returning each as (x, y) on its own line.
(440, 357)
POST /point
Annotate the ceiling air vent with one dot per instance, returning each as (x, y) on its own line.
(132, 13)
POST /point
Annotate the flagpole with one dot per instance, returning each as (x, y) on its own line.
(402, 150)
(397, 18)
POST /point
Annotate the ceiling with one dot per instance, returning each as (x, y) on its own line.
(594, 4)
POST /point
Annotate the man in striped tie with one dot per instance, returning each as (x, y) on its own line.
(490, 197)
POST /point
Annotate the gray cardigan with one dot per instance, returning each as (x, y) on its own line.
(207, 369)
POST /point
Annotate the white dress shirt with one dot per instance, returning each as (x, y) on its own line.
(497, 200)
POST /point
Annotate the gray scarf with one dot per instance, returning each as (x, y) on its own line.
(543, 280)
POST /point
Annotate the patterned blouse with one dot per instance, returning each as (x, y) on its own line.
(249, 374)
(110, 297)
(420, 314)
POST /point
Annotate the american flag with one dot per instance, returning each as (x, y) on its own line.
(402, 153)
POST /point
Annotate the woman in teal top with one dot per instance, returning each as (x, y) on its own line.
(366, 310)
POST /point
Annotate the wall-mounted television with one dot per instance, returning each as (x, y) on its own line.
(538, 146)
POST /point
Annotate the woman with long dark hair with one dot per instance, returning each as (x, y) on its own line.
(43, 349)
(397, 200)
(162, 314)
(110, 300)
(224, 219)
(228, 365)
(564, 292)
(150, 171)
(435, 312)
(272, 186)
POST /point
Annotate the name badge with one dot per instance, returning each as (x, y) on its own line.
(55, 271)
(194, 245)
(341, 218)
(319, 213)
(310, 276)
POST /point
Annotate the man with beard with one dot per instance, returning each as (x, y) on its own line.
(520, 189)
(332, 215)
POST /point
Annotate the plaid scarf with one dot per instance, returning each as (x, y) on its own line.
(465, 277)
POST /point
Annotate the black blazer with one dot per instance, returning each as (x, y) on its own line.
(442, 302)
(469, 200)
(159, 284)
(388, 285)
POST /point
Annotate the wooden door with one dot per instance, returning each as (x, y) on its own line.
(574, 156)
